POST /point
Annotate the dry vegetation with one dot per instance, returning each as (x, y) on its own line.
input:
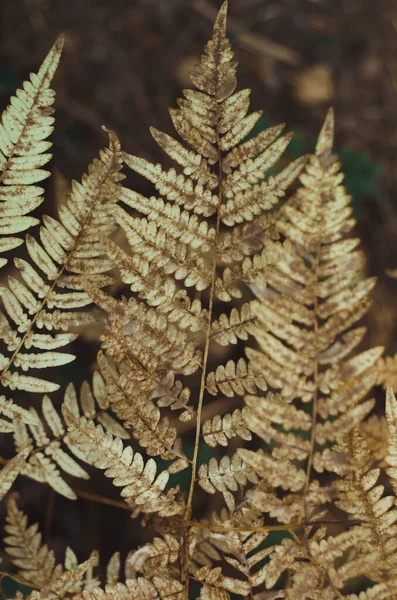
(231, 400)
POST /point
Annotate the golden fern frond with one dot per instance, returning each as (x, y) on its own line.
(226, 476)
(216, 586)
(376, 435)
(157, 289)
(13, 411)
(139, 413)
(310, 297)
(172, 243)
(61, 587)
(245, 552)
(35, 562)
(228, 329)
(150, 351)
(315, 567)
(47, 434)
(69, 254)
(247, 239)
(113, 573)
(381, 591)
(219, 430)
(362, 498)
(42, 464)
(156, 588)
(235, 379)
(24, 127)
(212, 123)
(158, 556)
(142, 487)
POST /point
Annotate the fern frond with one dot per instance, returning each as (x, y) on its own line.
(156, 588)
(376, 435)
(174, 187)
(247, 239)
(160, 344)
(159, 250)
(246, 205)
(235, 379)
(179, 225)
(217, 587)
(219, 430)
(228, 329)
(315, 567)
(226, 476)
(13, 411)
(309, 299)
(141, 488)
(157, 556)
(244, 552)
(69, 254)
(25, 125)
(361, 497)
(35, 562)
(53, 453)
(157, 289)
(140, 415)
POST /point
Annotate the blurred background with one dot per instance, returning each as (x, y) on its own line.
(124, 63)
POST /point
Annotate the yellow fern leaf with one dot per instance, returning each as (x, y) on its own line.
(25, 125)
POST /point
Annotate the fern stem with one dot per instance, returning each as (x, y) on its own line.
(207, 344)
(315, 396)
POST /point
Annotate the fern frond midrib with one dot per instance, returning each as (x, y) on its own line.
(209, 323)
(315, 391)
(100, 181)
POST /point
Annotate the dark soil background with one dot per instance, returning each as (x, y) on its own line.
(124, 63)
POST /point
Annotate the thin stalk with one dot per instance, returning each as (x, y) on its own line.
(207, 344)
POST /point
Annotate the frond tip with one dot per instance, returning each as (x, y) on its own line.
(25, 125)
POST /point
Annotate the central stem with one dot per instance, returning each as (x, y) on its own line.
(207, 341)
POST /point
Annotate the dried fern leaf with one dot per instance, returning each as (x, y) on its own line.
(48, 434)
(156, 556)
(217, 587)
(244, 550)
(310, 294)
(361, 497)
(156, 588)
(13, 411)
(219, 430)
(141, 487)
(226, 476)
(157, 289)
(25, 125)
(69, 255)
(235, 379)
(139, 413)
(228, 329)
(35, 563)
